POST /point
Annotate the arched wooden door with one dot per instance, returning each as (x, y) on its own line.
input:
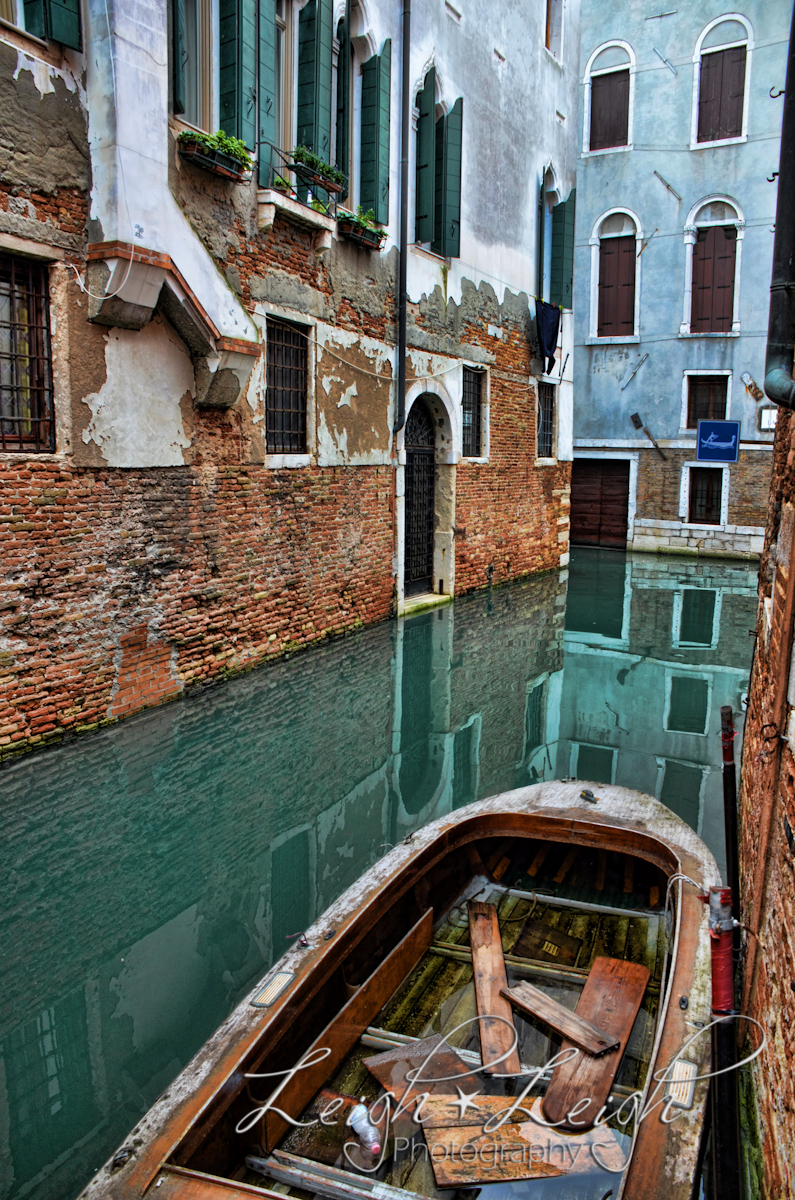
(420, 472)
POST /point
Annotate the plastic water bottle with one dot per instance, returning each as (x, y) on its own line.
(363, 1127)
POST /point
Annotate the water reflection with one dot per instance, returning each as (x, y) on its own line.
(156, 870)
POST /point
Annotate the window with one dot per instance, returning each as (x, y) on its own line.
(535, 719)
(696, 617)
(26, 405)
(374, 171)
(438, 172)
(616, 242)
(706, 495)
(688, 705)
(720, 80)
(706, 399)
(609, 85)
(713, 238)
(58, 20)
(282, 91)
(193, 98)
(553, 31)
(681, 790)
(285, 396)
(546, 420)
(471, 411)
(596, 764)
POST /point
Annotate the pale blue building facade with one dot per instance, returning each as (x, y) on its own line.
(679, 126)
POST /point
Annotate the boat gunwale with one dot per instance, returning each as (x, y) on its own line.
(182, 1117)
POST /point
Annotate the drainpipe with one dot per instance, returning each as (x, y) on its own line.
(405, 130)
(779, 383)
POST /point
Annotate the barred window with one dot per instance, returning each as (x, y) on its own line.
(26, 409)
(472, 410)
(706, 494)
(706, 399)
(285, 396)
(546, 420)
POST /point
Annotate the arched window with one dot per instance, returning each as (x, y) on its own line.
(721, 77)
(615, 276)
(609, 98)
(713, 239)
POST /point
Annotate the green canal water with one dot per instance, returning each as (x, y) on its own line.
(153, 872)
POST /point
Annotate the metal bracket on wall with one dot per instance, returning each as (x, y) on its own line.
(637, 421)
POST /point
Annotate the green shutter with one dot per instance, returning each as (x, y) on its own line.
(426, 159)
(55, 19)
(447, 206)
(267, 105)
(178, 55)
(540, 225)
(560, 288)
(238, 69)
(344, 95)
(376, 80)
(314, 77)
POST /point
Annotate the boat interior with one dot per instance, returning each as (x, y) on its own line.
(478, 939)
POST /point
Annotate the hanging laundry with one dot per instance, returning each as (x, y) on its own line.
(548, 324)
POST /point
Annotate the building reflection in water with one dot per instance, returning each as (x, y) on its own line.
(156, 870)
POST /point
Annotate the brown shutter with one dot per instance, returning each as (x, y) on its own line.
(713, 280)
(609, 110)
(616, 316)
(720, 94)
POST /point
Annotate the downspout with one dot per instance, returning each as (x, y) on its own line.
(405, 130)
(779, 384)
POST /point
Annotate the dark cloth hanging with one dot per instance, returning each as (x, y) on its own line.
(548, 324)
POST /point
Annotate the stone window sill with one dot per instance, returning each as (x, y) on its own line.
(282, 462)
(687, 334)
(270, 201)
(613, 341)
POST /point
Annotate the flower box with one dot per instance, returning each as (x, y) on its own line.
(311, 177)
(213, 160)
(363, 236)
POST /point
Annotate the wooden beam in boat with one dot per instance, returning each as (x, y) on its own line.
(573, 1027)
(497, 856)
(488, 964)
(601, 868)
(437, 1060)
(461, 1156)
(181, 1183)
(611, 998)
(629, 874)
(475, 861)
(342, 1033)
(538, 860)
(444, 1112)
(567, 864)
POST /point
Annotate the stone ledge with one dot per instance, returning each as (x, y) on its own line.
(270, 201)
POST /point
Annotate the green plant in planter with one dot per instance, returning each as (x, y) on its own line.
(302, 154)
(219, 141)
(282, 185)
(362, 219)
(319, 206)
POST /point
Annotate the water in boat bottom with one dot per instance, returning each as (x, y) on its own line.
(155, 870)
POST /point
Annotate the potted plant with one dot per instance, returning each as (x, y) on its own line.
(283, 185)
(314, 172)
(360, 227)
(217, 152)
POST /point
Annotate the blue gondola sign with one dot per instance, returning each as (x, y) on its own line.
(718, 441)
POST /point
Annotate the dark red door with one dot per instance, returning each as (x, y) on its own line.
(599, 502)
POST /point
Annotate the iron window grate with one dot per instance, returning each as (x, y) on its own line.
(26, 405)
(472, 410)
(706, 494)
(546, 420)
(285, 397)
(706, 399)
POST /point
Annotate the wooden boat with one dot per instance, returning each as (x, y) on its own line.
(509, 914)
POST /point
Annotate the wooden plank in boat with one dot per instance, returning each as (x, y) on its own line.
(180, 1183)
(488, 963)
(572, 1026)
(342, 1033)
(444, 1112)
(546, 944)
(437, 1074)
(611, 998)
(465, 1155)
(335, 1182)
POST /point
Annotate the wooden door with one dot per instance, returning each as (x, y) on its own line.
(600, 502)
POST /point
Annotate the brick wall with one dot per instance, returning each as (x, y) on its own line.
(659, 485)
(767, 819)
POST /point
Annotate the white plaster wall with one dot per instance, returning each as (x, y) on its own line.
(135, 416)
(127, 60)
